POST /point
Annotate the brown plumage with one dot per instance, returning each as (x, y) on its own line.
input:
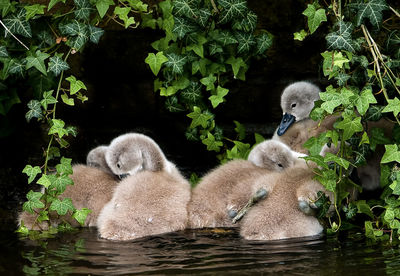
(228, 187)
(279, 216)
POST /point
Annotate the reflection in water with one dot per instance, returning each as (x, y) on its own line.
(205, 252)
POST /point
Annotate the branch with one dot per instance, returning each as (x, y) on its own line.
(260, 194)
(16, 38)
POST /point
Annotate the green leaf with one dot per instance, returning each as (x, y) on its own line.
(31, 172)
(169, 91)
(182, 26)
(219, 97)
(199, 117)
(315, 144)
(62, 206)
(181, 83)
(17, 66)
(328, 179)
(377, 137)
(198, 47)
(315, 17)
(247, 24)
(395, 186)
(225, 38)
(209, 82)
(37, 61)
(83, 9)
(48, 99)
(33, 201)
(95, 34)
(300, 35)
(333, 62)
(371, 10)
(17, 24)
(185, 8)
(333, 98)
(44, 181)
(60, 183)
(67, 100)
(364, 208)
(317, 159)
(172, 105)
(374, 113)
(392, 153)
(211, 143)
(350, 126)
(363, 101)
(176, 62)
(232, 9)
(79, 33)
(155, 61)
(65, 166)
(3, 51)
(203, 15)
(102, 6)
(122, 13)
(192, 94)
(236, 64)
(393, 106)
(341, 39)
(6, 6)
(138, 5)
(340, 161)
(53, 2)
(264, 42)
(57, 127)
(246, 41)
(33, 10)
(35, 110)
(215, 48)
(75, 85)
(57, 65)
(80, 215)
(342, 78)
(241, 130)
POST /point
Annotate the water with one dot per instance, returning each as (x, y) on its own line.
(205, 252)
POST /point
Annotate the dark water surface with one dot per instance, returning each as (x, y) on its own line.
(204, 252)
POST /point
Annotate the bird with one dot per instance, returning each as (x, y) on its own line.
(97, 158)
(152, 196)
(283, 214)
(222, 192)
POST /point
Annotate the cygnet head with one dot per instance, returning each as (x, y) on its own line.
(133, 152)
(273, 155)
(97, 158)
(297, 101)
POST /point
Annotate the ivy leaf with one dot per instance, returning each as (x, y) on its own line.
(350, 126)
(315, 17)
(83, 9)
(95, 34)
(62, 206)
(329, 157)
(80, 215)
(215, 48)
(317, 159)
(172, 105)
(392, 153)
(155, 61)
(33, 201)
(33, 10)
(241, 130)
(193, 93)
(203, 15)
(333, 61)
(328, 179)
(232, 9)
(181, 83)
(44, 180)
(123, 15)
(377, 137)
(75, 85)
(64, 168)
(198, 47)
(48, 99)
(393, 106)
(363, 100)
(364, 208)
(57, 65)
(35, 110)
(341, 39)
(67, 100)
(37, 61)
(245, 40)
(374, 113)
(176, 62)
(333, 98)
(6, 6)
(138, 5)
(79, 31)
(31, 172)
(225, 38)
(209, 82)
(342, 78)
(182, 26)
(53, 2)
(314, 144)
(60, 183)
(17, 66)
(300, 36)
(247, 24)
(211, 143)
(185, 8)
(219, 97)
(168, 91)
(199, 117)
(236, 64)
(57, 127)
(17, 24)
(3, 51)
(371, 10)
(102, 6)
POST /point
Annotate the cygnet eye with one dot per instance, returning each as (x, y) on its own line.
(294, 105)
(118, 165)
(280, 165)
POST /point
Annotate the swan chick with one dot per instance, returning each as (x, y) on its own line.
(97, 158)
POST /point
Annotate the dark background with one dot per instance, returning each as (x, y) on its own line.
(121, 99)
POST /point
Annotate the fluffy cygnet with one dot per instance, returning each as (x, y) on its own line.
(97, 158)
(226, 189)
(92, 189)
(279, 215)
(151, 200)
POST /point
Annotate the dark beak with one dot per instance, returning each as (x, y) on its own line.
(286, 122)
(122, 176)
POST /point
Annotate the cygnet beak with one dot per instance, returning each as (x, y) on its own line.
(287, 121)
(124, 175)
